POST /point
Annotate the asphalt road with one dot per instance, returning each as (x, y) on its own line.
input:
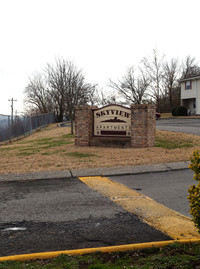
(61, 214)
(190, 126)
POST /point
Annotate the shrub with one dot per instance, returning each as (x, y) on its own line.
(179, 111)
(194, 190)
(174, 111)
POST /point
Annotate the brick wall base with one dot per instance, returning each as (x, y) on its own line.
(143, 128)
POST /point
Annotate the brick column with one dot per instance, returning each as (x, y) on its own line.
(83, 125)
(143, 126)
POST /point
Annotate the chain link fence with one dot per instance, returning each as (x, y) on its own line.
(17, 126)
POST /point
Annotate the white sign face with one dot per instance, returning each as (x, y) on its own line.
(113, 120)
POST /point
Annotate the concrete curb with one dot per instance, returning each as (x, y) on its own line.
(121, 248)
(106, 171)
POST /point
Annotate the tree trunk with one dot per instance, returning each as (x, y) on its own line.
(72, 124)
(170, 98)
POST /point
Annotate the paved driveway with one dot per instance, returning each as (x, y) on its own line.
(63, 214)
(71, 213)
(190, 126)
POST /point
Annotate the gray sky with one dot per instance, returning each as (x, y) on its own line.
(102, 37)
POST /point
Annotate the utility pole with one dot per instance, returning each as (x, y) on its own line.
(11, 100)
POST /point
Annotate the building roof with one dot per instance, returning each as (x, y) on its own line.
(190, 78)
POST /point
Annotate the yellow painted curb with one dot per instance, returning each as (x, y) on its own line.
(121, 248)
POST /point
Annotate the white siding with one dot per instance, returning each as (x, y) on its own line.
(198, 97)
(187, 94)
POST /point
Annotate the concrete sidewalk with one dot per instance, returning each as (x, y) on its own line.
(106, 171)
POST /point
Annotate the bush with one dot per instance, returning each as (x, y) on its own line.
(174, 111)
(179, 111)
(194, 190)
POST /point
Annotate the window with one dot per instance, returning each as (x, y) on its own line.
(188, 85)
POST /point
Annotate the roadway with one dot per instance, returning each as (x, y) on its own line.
(186, 125)
(57, 214)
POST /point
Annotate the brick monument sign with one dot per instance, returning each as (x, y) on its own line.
(115, 126)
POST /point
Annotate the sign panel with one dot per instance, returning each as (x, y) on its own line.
(112, 120)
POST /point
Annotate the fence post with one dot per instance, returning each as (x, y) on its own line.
(24, 126)
(9, 129)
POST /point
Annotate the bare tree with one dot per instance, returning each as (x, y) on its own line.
(77, 92)
(190, 67)
(56, 80)
(102, 98)
(132, 88)
(37, 97)
(171, 72)
(154, 68)
(68, 88)
(60, 88)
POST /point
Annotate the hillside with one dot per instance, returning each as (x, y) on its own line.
(54, 149)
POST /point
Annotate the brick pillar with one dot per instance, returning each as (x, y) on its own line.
(143, 126)
(83, 125)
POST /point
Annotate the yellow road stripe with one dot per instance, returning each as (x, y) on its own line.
(177, 226)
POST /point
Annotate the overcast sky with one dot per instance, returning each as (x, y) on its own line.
(102, 37)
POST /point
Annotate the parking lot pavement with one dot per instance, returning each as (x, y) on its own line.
(57, 214)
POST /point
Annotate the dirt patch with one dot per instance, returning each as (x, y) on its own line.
(54, 149)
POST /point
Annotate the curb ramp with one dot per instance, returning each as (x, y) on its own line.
(168, 221)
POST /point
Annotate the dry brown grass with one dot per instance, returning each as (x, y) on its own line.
(53, 149)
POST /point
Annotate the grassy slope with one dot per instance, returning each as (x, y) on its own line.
(54, 149)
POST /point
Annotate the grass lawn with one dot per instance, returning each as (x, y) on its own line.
(171, 256)
(54, 149)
